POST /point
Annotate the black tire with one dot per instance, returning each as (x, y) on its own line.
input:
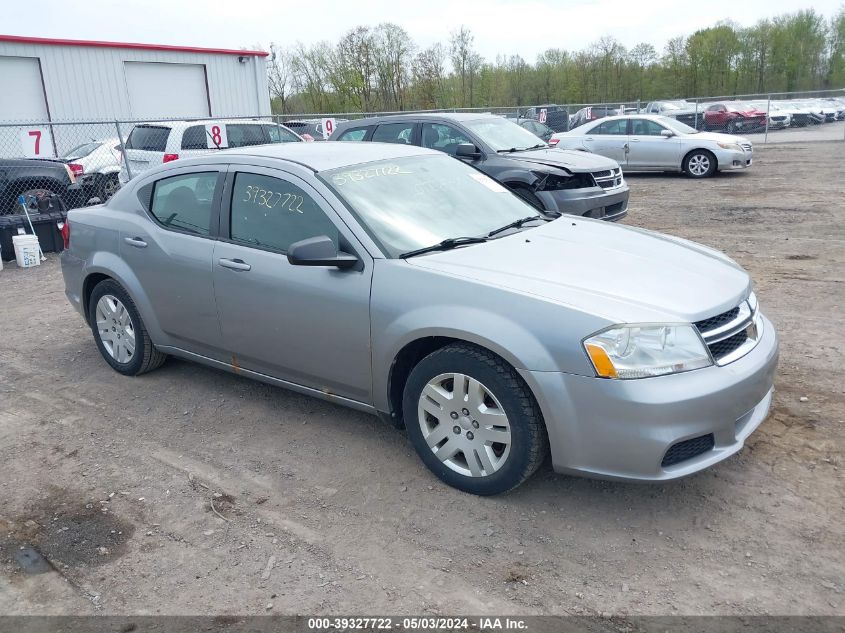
(696, 173)
(730, 126)
(145, 357)
(109, 184)
(529, 441)
(37, 193)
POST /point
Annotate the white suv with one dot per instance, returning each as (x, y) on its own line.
(151, 144)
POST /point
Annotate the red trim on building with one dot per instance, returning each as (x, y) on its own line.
(22, 39)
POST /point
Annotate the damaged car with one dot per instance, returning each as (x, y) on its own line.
(553, 180)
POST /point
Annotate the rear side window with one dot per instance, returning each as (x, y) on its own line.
(194, 137)
(244, 135)
(393, 133)
(278, 134)
(185, 202)
(150, 138)
(614, 128)
(273, 213)
(357, 134)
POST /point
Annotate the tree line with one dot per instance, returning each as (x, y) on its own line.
(379, 68)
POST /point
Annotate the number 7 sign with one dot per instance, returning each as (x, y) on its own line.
(36, 142)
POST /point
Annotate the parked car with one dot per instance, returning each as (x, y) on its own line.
(799, 116)
(551, 180)
(733, 116)
(684, 111)
(591, 113)
(394, 280)
(99, 163)
(646, 142)
(540, 130)
(552, 115)
(151, 144)
(36, 178)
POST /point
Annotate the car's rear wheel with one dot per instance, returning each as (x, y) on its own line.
(108, 187)
(33, 198)
(700, 164)
(119, 331)
(473, 421)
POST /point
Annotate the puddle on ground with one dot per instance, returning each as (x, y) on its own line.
(63, 532)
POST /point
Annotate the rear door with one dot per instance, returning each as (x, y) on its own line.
(171, 254)
(609, 138)
(649, 149)
(145, 147)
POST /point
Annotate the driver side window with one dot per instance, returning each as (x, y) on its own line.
(442, 137)
(644, 127)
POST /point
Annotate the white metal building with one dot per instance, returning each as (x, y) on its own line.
(59, 80)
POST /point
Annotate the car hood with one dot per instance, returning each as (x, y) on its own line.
(622, 274)
(716, 137)
(571, 160)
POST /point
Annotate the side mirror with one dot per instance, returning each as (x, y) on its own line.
(467, 150)
(319, 251)
(667, 133)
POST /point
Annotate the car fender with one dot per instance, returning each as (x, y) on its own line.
(476, 325)
(111, 265)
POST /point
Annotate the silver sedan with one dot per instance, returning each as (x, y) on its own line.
(658, 143)
(396, 280)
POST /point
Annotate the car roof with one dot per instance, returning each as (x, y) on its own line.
(330, 154)
(177, 124)
(400, 118)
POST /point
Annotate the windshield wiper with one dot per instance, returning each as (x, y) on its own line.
(516, 224)
(445, 245)
(522, 149)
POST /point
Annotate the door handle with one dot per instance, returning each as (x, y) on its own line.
(588, 138)
(137, 242)
(234, 264)
(635, 140)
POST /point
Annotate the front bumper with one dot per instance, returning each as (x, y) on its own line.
(591, 202)
(733, 159)
(622, 429)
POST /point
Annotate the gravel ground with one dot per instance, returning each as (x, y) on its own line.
(190, 491)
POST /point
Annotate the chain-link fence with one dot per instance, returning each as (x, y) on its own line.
(54, 165)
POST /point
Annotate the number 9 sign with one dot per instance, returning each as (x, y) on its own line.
(328, 128)
(215, 136)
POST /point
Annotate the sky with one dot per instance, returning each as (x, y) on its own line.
(526, 27)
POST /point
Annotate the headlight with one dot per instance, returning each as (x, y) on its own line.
(641, 351)
(731, 146)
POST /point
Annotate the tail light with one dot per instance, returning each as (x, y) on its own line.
(170, 157)
(70, 174)
(554, 141)
(64, 229)
(77, 170)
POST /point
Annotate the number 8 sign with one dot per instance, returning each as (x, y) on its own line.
(328, 128)
(215, 136)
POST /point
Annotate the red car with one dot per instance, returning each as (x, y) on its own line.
(733, 116)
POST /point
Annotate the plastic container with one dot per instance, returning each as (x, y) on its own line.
(27, 253)
(46, 228)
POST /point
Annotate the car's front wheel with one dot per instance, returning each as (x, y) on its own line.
(119, 331)
(700, 164)
(473, 421)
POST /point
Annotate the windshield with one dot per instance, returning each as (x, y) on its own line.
(417, 201)
(82, 150)
(501, 134)
(676, 126)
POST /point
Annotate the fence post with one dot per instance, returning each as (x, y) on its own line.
(768, 111)
(123, 150)
(695, 125)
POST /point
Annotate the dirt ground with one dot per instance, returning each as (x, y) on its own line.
(190, 491)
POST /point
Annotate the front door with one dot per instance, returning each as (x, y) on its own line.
(305, 325)
(649, 149)
(171, 256)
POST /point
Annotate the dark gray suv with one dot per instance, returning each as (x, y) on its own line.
(556, 181)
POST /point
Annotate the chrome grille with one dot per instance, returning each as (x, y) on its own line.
(746, 146)
(732, 334)
(608, 178)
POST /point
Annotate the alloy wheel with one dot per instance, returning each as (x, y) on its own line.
(464, 425)
(115, 329)
(698, 165)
